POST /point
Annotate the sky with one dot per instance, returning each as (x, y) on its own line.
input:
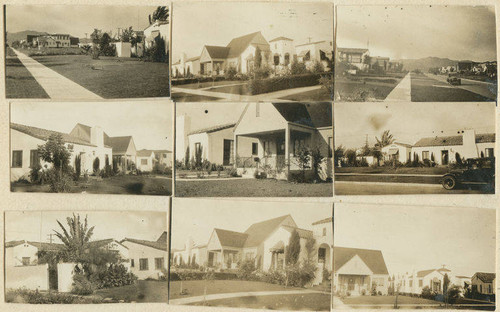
(149, 122)
(408, 122)
(37, 225)
(76, 20)
(297, 21)
(196, 218)
(410, 32)
(208, 114)
(420, 238)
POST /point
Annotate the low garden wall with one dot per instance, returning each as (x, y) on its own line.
(34, 277)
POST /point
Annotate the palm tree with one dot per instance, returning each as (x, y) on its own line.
(76, 238)
(160, 14)
(385, 139)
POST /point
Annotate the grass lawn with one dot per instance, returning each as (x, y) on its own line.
(391, 179)
(19, 83)
(208, 84)
(186, 97)
(112, 77)
(348, 90)
(237, 89)
(136, 185)
(303, 302)
(196, 288)
(251, 188)
(315, 95)
(141, 291)
(386, 300)
(391, 170)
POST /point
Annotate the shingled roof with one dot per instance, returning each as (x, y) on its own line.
(372, 258)
(453, 140)
(239, 44)
(259, 231)
(144, 153)
(119, 144)
(213, 128)
(217, 52)
(44, 134)
(485, 277)
(302, 232)
(311, 114)
(231, 238)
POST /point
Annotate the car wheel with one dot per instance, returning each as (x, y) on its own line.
(449, 183)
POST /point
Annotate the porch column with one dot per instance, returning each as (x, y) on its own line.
(235, 152)
(212, 62)
(287, 147)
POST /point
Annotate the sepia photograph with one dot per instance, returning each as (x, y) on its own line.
(261, 255)
(414, 257)
(254, 150)
(253, 51)
(404, 148)
(83, 52)
(91, 148)
(83, 257)
(416, 53)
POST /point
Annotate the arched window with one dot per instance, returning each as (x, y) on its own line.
(276, 59)
(287, 59)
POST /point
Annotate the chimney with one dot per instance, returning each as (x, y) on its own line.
(469, 148)
(97, 136)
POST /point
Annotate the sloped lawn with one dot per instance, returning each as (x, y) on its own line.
(141, 291)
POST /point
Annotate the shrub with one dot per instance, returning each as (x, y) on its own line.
(230, 73)
(36, 174)
(200, 275)
(114, 276)
(78, 166)
(273, 277)
(326, 82)
(246, 268)
(60, 182)
(232, 172)
(23, 295)
(259, 86)
(318, 67)
(82, 286)
(262, 73)
(95, 165)
(300, 275)
(260, 174)
(427, 293)
(157, 52)
(298, 68)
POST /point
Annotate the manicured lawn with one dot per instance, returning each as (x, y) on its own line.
(196, 288)
(251, 188)
(392, 179)
(208, 84)
(391, 170)
(386, 300)
(112, 77)
(186, 97)
(241, 89)
(359, 90)
(314, 96)
(141, 291)
(19, 83)
(302, 302)
(136, 185)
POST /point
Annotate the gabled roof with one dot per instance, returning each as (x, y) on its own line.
(192, 59)
(281, 38)
(485, 277)
(311, 114)
(47, 246)
(144, 153)
(302, 232)
(402, 144)
(239, 44)
(352, 50)
(453, 140)
(14, 243)
(231, 238)
(104, 242)
(217, 52)
(119, 144)
(425, 272)
(372, 258)
(213, 129)
(161, 243)
(161, 151)
(325, 220)
(163, 238)
(259, 231)
(44, 134)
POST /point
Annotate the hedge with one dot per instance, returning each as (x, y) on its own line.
(259, 86)
(181, 81)
(200, 275)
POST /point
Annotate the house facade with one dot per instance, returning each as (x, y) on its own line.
(354, 56)
(416, 281)
(146, 160)
(263, 242)
(148, 259)
(155, 31)
(484, 283)
(53, 41)
(312, 52)
(359, 271)
(397, 151)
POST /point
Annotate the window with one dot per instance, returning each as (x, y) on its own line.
(297, 145)
(267, 148)
(425, 155)
(144, 161)
(159, 263)
(307, 56)
(276, 60)
(324, 231)
(287, 59)
(489, 288)
(480, 288)
(143, 264)
(132, 263)
(411, 283)
(165, 155)
(255, 148)
(26, 261)
(321, 255)
(34, 159)
(420, 283)
(489, 152)
(330, 147)
(17, 159)
(249, 255)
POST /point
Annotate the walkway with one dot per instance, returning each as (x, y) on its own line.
(242, 294)
(402, 92)
(55, 85)
(338, 304)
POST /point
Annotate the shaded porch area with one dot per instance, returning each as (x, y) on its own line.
(123, 163)
(223, 258)
(356, 285)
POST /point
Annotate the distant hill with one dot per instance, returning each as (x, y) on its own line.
(11, 37)
(425, 63)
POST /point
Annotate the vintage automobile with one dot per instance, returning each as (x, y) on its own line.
(476, 172)
(454, 80)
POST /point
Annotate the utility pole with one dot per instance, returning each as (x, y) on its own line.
(50, 237)
(309, 38)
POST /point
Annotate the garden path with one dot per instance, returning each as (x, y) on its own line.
(402, 92)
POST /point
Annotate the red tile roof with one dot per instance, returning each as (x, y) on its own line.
(213, 129)
(44, 134)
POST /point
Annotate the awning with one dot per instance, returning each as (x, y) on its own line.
(278, 247)
(393, 151)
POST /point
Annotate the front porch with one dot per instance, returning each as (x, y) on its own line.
(222, 259)
(123, 163)
(355, 285)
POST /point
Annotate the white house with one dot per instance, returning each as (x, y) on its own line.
(359, 271)
(283, 52)
(185, 67)
(156, 30)
(26, 139)
(282, 129)
(484, 283)
(397, 151)
(148, 259)
(354, 56)
(53, 41)
(163, 157)
(145, 160)
(312, 52)
(416, 281)
(263, 242)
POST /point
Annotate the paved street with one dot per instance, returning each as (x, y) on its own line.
(377, 188)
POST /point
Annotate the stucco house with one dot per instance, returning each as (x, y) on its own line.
(359, 271)
(53, 41)
(397, 151)
(312, 52)
(354, 56)
(264, 242)
(414, 282)
(164, 157)
(283, 52)
(484, 283)
(156, 30)
(148, 259)
(146, 159)
(282, 129)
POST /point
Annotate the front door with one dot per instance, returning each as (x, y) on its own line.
(444, 157)
(227, 153)
(210, 259)
(280, 146)
(350, 284)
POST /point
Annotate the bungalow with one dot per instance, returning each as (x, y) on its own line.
(145, 160)
(312, 52)
(397, 151)
(484, 283)
(148, 259)
(359, 271)
(26, 139)
(354, 56)
(163, 157)
(263, 242)
(281, 130)
(415, 282)
(445, 149)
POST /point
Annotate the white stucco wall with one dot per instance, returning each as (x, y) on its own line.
(14, 255)
(403, 152)
(148, 166)
(260, 117)
(123, 49)
(30, 277)
(137, 251)
(65, 272)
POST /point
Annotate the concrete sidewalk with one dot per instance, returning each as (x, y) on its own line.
(391, 184)
(55, 85)
(338, 304)
(389, 174)
(402, 92)
(189, 300)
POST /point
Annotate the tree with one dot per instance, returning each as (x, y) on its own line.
(76, 238)
(454, 293)
(446, 282)
(338, 154)
(303, 157)
(161, 13)
(186, 158)
(293, 250)
(298, 68)
(54, 152)
(258, 58)
(350, 154)
(126, 35)
(317, 159)
(385, 139)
